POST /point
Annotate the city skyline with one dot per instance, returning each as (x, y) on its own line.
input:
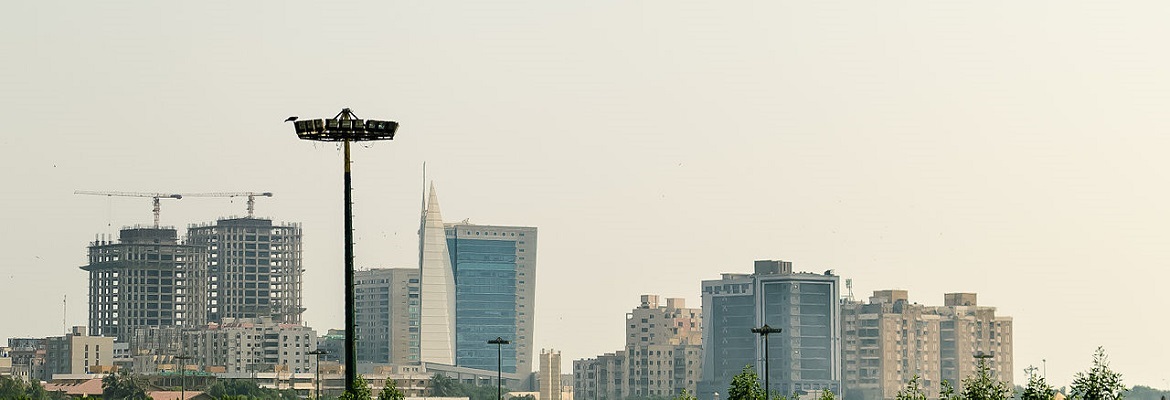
(1006, 149)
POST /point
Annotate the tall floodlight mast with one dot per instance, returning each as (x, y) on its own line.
(345, 127)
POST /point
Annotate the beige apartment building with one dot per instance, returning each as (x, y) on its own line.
(889, 340)
(549, 379)
(387, 307)
(77, 353)
(662, 356)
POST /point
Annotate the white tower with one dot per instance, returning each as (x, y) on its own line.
(437, 319)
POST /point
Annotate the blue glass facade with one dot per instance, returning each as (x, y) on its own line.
(803, 357)
(485, 300)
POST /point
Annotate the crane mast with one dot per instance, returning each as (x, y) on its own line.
(155, 196)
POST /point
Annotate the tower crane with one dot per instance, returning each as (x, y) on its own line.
(155, 196)
(251, 198)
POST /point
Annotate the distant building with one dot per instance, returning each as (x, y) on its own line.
(890, 340)
(662, 356)
(28, 358)
(495, 293)
(550, 375)
(254, 269)
(602, 377)
(146, 279)
(804, 356)
(251, 345)
(387, 314)
(78, 353)
(333, 344)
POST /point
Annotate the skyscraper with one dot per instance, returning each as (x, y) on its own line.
(437, 284)
(495, 287)
(146, 279)
(804, 356)
(254, 269)
(388, 305)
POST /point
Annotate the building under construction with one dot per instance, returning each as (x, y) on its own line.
(145, 279)
(253, 269)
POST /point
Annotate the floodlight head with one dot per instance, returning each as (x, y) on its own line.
(765, 330)
(345, 127)
(499, 341)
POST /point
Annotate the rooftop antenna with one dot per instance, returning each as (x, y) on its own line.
(64, 312)
(849, 286)
(422, 219)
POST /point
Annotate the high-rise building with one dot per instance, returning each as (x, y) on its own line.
(495, 287)
(662, 356)
(78, 353)
(254, 268)
(891, 340)
(387, 313)
(550, 375)
(804, 356)
(146, 279)
(437, 284)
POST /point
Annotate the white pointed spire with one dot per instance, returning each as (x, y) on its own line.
(437, 316)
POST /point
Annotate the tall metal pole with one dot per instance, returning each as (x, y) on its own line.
(767, 371)
(500, 371)
(499, 342)
(345, 127)
(182, 375)
(350, 323)
(765, 331)
(317, 362)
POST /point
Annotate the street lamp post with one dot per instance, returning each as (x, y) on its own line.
(765, 331)
(317, 363)
(182, 375)
(982, 362)
(499, 342)
(345, 127)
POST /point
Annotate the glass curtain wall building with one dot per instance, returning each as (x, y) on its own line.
(495, 281)
(804, 356)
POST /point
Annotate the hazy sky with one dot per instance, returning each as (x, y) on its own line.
(1016, 149)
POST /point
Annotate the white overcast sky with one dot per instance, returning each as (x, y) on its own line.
(1016, 149)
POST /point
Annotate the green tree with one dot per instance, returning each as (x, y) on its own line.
(827, 395)
(982, 386)
(1037, 389)
(912, 390)
(684, 395)
(947, 392)
(390, 391)
(124, 386)
(745, 385)
(1099, 383)
(361, 391)
(444, 386)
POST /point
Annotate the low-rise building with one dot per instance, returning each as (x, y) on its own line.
(77, 353)
(249, 345)
(662, 356)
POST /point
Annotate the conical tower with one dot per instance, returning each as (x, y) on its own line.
(437, 319)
